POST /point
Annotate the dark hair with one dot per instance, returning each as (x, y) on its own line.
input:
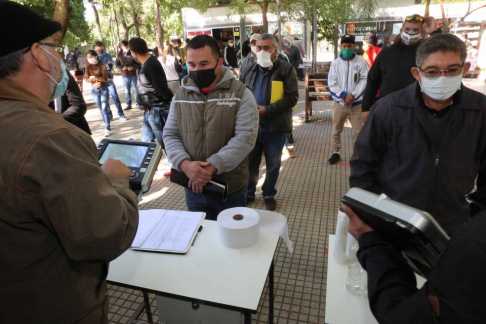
(124, 43)
(371, 39)
(178, 40)
(201, 41)
(440, 43)
(99, 44)
(272, 38)
(138, 45)
(11, 64)
(92, 53)
(187, 40)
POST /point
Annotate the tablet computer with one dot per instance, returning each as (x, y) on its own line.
(414, 232)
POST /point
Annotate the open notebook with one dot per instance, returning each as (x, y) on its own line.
(169, 231)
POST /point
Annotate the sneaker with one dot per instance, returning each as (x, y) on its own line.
(128, 107)
(249, 199)
(123, 118)
(270, 203)
(290, 152)
(290, 138)
(107, 133)
(334, 158)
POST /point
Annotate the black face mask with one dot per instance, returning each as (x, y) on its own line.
(203, 78)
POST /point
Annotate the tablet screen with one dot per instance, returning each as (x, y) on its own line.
(131, 155)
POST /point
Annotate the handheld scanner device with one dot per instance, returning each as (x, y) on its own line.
(142, 158)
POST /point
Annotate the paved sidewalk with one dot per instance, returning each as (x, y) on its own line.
(309, 196)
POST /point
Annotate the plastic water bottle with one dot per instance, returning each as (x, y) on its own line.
(339, 251)
(356, 283)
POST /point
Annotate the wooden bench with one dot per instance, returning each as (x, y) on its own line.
(315, 90)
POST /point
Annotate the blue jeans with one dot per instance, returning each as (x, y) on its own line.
(130, 83)
(153, 124)
(114, 96)
(100, 96)
(212, 207)
(270, 144)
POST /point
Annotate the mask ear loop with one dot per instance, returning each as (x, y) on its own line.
(50, 77)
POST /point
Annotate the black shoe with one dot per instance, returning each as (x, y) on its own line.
(270, 203)
(249, 199)
(127, 107)
(290, 138)
(334, 158)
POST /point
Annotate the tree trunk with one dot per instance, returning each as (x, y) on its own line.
(427, 8)
(97, 18)
(117, 26)
(264, 16)
(61, 14)
(124, 24)
(159, 30)
(336, 39)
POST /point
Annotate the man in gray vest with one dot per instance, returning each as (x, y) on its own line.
(211, 128)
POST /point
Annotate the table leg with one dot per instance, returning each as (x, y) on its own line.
(271, 292)
(147, 307)
(247, 318)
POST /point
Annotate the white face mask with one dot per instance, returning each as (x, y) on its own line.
(254, 49)
(93, 60)
(125, 50)
(231, 44)
(441, 88)
(410, 38)
(264, 59)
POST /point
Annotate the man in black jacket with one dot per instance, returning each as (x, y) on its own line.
(425, 145)
(128, 67)
(453, 294)
(391, 70)
(292, 52)
(154, 95)
(275, 113)
(72, 105)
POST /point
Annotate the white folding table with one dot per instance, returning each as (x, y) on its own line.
(209, 274)
(341, 306)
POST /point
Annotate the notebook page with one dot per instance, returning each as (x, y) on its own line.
(174, 231)
(148, 220)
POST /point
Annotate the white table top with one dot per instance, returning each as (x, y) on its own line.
(208, 272)
(341, 306)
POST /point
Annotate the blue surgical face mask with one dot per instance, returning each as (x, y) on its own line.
(61, 86)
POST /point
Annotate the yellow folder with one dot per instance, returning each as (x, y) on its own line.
(277, 92)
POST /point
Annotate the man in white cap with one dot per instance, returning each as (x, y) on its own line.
(63, 217)
(251, 57)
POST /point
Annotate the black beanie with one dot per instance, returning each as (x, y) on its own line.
(21, 27)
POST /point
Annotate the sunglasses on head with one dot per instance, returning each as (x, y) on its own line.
(417, 18)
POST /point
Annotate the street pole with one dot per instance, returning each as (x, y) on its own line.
(279, 25)
(314, 39)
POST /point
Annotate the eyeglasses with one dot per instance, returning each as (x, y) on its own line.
(51, 44)
(435, 73)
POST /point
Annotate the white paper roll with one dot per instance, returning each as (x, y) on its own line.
(238, 227)
(339, 253)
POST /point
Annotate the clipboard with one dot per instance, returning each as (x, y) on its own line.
(278, 92)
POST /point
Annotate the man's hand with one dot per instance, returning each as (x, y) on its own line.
(430, 25)
(130, 68)
(365, 115)
(348, 101)
(262, 111)
(92, 77)
(356, 226)
(124, 68)
(210, 168)
(198, 176)
(117, 168)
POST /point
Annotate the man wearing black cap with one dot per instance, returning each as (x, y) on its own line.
(346, 82)
(63, 218)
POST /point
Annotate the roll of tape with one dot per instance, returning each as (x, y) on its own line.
(238, 227)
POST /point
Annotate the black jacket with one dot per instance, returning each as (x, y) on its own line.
(294, 55)
(73, 106)
(456, 283)
(391, 71)
(229, 56)
(126, 59)
(152, 89)
(393, 154)
(279, 114)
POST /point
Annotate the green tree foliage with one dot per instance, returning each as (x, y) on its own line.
(78, 28)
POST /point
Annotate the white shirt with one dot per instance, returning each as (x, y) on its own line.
(169, 68)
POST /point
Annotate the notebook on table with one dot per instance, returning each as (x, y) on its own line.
(168, 231)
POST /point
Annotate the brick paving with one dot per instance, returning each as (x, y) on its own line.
(309, 193)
